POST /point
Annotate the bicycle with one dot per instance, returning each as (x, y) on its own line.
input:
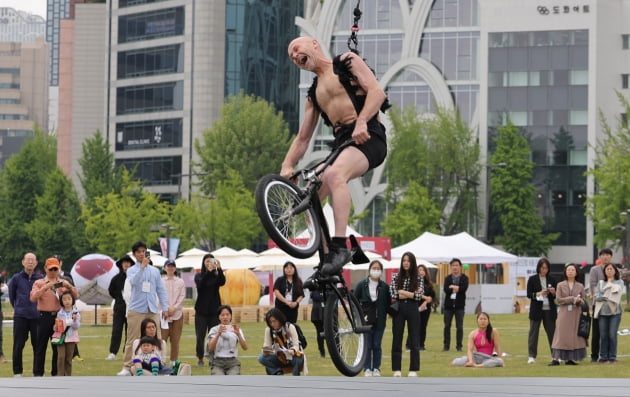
(294, 219)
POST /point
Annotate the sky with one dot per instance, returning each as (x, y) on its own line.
(37, 7)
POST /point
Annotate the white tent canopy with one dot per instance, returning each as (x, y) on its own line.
(439, 249)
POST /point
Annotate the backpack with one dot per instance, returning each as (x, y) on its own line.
(301, 337)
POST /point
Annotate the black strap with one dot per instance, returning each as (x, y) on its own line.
(353, 40)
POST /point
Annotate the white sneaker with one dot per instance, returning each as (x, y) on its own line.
(376, 372)
(531, 360)
(412, 374)
(17, 375)
(111, 357)
(124, 372)
(367, 372)
(396, 374)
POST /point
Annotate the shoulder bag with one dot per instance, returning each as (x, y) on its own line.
(584, 326)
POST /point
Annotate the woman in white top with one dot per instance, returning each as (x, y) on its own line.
(223, 342)
(148, 327)
(608, 312)
(176, 291)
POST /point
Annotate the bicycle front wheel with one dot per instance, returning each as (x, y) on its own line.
(297, 233)
(347, 348)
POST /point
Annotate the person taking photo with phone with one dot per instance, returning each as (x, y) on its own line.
(208, 301)
(46, 293)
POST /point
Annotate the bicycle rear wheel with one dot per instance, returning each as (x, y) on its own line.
(298, 234)
(347, 348)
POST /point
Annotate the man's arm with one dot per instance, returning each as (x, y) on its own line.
(300, 143)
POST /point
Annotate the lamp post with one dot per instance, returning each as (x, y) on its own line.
(168, 228)
(625, 239)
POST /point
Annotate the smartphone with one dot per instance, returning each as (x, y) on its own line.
(147, 254)
(59, 284)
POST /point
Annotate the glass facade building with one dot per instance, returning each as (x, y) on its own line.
(257, 34)
(56, 11)
(539, 81)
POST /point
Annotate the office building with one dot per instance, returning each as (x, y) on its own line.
(23, 93)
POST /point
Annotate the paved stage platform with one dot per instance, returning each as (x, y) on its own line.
(275, 386)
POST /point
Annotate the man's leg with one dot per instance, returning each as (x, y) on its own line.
(448, 320)
(20, 335)
(595, 340)
(459, 324)
(350, 164)
(44, 331)
(133, 332)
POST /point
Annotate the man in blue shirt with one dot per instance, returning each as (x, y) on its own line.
(147, 296)
(25, 314)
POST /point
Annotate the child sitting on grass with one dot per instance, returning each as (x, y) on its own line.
(145, 357)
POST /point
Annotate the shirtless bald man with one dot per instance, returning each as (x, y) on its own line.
(347, 95)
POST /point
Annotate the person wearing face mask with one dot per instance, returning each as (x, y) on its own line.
(374, 296)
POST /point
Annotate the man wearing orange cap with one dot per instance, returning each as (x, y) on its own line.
(46, 293)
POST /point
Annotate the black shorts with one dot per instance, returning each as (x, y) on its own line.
(375, 149)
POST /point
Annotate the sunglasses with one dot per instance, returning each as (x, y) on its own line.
(53, 269)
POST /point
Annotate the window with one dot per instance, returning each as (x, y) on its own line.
(149, 98)
(624, 80)
(578, 117)
(150, 61)
(129, 3)
(578, 77)
(155, 171)
(625, 41)
(151, 25)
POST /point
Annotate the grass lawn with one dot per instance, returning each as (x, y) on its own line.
(434, 363)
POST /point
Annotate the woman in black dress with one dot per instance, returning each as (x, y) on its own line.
(288, 292)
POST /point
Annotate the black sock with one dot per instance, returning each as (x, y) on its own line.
(338, 242)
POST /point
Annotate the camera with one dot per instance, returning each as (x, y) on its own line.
(58, 285)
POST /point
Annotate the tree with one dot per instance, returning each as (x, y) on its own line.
(414, 215)
(612, 184)
(22, 181)
(513, 196)
(440, 153)
(229, 218)
(99, 173)
(250, 138)
(56, 228)
(117, 220)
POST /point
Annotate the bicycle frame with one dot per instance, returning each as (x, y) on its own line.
(311, 199)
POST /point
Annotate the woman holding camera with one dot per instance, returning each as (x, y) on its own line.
(223, 342)
(208, 301)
